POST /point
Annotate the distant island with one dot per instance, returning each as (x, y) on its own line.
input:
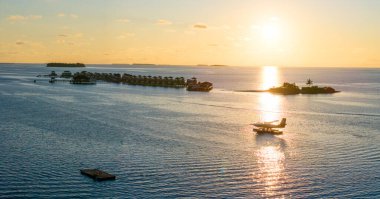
(293, 89)
(219, 65)
(143, 64)
(65, 65)
(214, 65)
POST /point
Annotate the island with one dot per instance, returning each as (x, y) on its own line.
(219, 65)
(143, 64)
(65, 65)
(292, 89)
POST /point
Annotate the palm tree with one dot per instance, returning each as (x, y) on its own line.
(309, 82)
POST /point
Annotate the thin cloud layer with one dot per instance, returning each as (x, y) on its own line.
(20, 18)
(200, 26)
(123, 20)
(70, 15)
(163, 22)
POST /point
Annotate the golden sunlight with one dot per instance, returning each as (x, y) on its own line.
(269, 77)
(270, 31)
(269, 104)
(270, 107)
(271, 166)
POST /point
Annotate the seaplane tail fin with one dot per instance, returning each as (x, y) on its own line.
(283, 122)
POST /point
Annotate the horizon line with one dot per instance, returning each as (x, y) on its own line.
(199, 65)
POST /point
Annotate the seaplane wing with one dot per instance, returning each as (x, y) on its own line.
(270, 122)
(282, 124)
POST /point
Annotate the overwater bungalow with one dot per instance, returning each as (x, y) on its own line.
(53, 74)
(66, 74)
(85, 77)
(82, 78)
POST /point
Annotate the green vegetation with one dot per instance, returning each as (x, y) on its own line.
(65, 65)
(309, 82)
(293, 89)
(317, 90)
(286, 89)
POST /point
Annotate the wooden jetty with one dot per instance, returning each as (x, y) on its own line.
(97, 174)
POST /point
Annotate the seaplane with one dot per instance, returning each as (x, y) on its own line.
(269, 127)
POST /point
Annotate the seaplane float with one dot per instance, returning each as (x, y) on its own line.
(269, 127)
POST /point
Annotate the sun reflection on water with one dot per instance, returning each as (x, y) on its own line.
(269, 104)
(269, 77)
(270, 161)
(270, 155)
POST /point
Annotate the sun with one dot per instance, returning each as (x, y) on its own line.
(270, 32)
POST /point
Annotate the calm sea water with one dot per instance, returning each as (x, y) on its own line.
(170, 143)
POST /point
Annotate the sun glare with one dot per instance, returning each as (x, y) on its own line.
(270, 32)
(269, 77)
(269, 104)
(271, 168)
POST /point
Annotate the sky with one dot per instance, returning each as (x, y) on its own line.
(316, 33)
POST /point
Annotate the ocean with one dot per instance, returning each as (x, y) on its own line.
(171, 143)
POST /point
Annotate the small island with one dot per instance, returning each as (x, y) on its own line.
(65, 65)
(293, 89)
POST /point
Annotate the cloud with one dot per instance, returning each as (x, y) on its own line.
(72, 39)
(200, 26)
(34, 17)
(163, 22)
(29, 44)
(20, 43)
(65, 42)
(78, 35)
(74, 16)
(125, 35)
(170, 30)
(71, 15)
(123, 20)
(20, 18)
(74, 35)
(16, 18)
